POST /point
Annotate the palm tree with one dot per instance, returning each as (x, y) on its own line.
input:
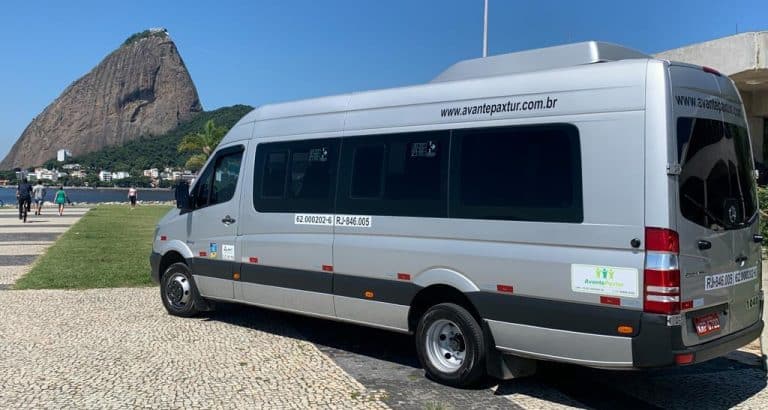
(201, 144)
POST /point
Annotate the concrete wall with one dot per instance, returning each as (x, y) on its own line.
(729, 55)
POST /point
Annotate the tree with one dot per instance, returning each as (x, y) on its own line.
(201, 144)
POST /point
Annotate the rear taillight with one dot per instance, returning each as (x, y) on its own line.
(662, 273)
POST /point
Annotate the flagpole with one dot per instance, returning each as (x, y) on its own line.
(485, 30)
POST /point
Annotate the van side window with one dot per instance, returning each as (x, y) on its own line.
(274, 175)
(225, 177)
(296, 176)
(527, 173)
(395, 174)
(218, 181)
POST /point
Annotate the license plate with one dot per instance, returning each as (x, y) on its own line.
(707, 324)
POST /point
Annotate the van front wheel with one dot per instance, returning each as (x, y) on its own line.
(178, 292)
(450, 345)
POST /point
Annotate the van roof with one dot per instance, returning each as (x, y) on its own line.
(463, 78)
(567, 55)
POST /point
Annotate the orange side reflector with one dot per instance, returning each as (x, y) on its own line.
(625, 330)
(368, 294)
(236, 276)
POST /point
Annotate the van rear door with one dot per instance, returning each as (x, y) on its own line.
(717, 206)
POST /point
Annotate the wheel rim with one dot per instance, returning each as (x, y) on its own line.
(177, 291)
(446, 347)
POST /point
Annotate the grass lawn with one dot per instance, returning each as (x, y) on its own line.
(108, 247)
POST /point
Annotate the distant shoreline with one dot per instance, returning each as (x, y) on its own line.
(95, 188)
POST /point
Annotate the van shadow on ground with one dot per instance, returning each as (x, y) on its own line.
(385, 360)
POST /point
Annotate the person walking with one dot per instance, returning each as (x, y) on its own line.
(132, 194)
(38, 194)
(24, 196)
(61, 199)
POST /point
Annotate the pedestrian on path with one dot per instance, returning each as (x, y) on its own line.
(132, 194)
(61, 199)
(38, 194)
(23, 195)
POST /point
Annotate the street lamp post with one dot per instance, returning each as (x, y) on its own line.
(485, 30)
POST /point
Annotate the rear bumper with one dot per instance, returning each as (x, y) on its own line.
(658, 344)
(154, 263)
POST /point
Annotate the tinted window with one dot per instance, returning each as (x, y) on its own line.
(368, 171)
(274, 174)
(518, 173)
(225, 177)
(296, 176)
(203, 187)
(397, 174)
(217, 183)
(717, 187)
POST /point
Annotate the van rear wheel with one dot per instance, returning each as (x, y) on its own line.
(450, 345)
(178, 291)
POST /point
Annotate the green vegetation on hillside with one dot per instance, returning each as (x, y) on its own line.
(201, 144)
(161, 151)
(145, 34)
(108, 247)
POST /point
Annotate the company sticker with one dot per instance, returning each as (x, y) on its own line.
(605, 280)
(228, 252)
(355, 221)
(213, 250)
(724, 280)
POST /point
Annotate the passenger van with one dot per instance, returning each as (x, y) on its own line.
(584, 203)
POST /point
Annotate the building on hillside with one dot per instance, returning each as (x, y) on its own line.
(78, 173)
(152, 173)
(71, 166)
(120, 175)
(63, 155)
(105, 176)
(741, 57)
(46, 174)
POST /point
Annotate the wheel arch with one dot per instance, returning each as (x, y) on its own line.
(436, 294)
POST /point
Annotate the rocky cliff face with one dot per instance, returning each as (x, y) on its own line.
(141, 89)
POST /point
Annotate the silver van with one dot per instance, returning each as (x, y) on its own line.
(584, 203)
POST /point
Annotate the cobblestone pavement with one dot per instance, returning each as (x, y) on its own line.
(117, 348)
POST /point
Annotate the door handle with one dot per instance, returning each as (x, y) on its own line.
(228, 220)
(704, 244)
(741, 260)
(757, 238)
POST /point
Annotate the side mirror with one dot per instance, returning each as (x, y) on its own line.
(183, 198)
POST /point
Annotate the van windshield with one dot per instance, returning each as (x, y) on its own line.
(717, 185)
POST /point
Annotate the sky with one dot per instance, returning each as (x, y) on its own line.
(257, 52)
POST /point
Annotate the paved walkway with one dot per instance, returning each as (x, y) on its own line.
(21, 243)
(117, 348)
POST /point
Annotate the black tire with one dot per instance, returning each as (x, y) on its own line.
(178, 291)
(473, 367)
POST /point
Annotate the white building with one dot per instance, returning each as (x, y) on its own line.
(152, 173)
(71, 166)
(105, 176)
(120, 175)
(42, 173)
(63, 155)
